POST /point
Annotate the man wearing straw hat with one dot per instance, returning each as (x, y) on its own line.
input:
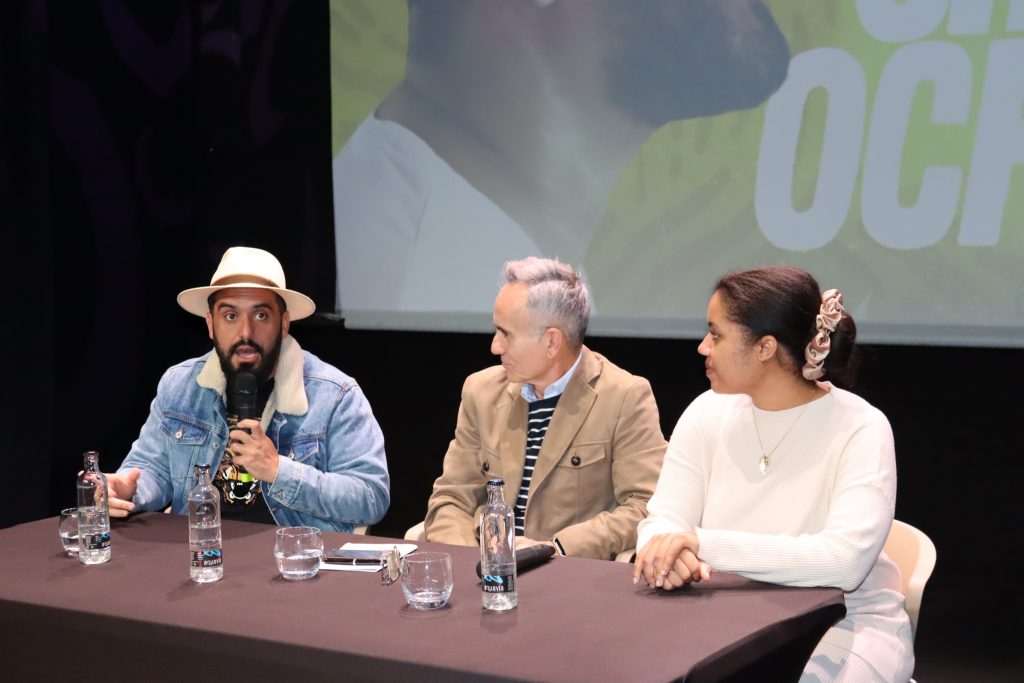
(316, 457)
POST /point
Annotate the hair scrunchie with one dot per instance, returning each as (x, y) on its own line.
(829, 315)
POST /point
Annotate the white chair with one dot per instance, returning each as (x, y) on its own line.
(419, 533)
(626, 556)
(914, 553)
(416, 533)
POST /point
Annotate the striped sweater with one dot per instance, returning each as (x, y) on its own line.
(537, 427)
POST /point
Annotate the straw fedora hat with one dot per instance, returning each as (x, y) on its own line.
(248, 268)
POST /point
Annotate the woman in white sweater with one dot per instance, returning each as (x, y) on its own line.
(779, 475)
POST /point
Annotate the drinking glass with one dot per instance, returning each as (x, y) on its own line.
(297, 551)
(427, 579)
(68, 531)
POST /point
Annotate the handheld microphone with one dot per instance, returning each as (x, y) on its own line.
(527, 558)
(245, 396)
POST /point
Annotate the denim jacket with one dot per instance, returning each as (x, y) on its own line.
(333, 473)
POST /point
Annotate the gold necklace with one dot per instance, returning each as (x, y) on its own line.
(766, 458)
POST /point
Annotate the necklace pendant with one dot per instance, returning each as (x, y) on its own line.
(763, 464)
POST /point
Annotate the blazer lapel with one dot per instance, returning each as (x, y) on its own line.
(570, 414)
(511, 422)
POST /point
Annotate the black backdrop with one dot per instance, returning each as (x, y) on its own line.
(140, 139)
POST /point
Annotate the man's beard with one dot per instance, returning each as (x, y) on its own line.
(262, 370)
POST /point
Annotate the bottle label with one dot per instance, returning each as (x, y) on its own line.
(95, 541)
(207, 558)
(499, 584)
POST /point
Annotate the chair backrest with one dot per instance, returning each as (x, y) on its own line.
(914, 554)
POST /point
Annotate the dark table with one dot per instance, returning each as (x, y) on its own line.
(140, 618)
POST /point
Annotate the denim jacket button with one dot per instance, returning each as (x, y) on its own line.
(177, 434)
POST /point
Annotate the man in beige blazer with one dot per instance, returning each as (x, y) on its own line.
(599, 458)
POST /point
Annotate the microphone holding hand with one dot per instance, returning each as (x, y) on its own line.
(257, 458)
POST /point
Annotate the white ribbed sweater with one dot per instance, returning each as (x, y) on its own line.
(818, 517)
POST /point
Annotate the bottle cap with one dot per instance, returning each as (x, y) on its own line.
(496, 482)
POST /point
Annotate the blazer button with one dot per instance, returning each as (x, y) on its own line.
(487, 466)
(575, 461)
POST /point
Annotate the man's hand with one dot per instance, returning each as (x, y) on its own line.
(254, 451)
(669, 561)
(120, 489)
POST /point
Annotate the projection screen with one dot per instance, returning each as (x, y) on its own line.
(657, 145)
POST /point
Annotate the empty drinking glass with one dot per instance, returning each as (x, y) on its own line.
(297, 551)
(68, 531)
(427, 579)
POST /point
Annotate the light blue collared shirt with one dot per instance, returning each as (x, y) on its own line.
(556, 388)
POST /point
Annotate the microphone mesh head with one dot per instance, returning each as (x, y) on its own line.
(245, 395)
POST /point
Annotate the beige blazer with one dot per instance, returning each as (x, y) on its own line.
(596, 469)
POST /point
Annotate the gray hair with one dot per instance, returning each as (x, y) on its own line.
(556, 293)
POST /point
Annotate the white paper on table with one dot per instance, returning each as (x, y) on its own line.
(403, 550)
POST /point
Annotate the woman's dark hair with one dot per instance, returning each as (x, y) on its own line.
(783, 301)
